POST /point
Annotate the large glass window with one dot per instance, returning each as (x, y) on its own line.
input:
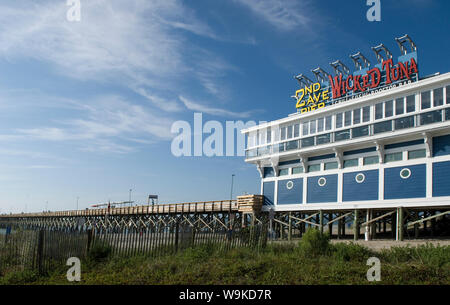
(314, 168)
(339, 120)
(323, 139)
(269, 135)
(360, 131)
(371, 160)
(320, 124)
(431, 117)
(416, 154)
(296, 130)
(281, 147)
(447, 114)
(425, 99)
(411, 103)
(398, 156)
(378, 111)
(328, 123)
(289, 132)
(399, 106)
(297, 170)
(348, 118)
(357, 116)
(283, 133)
(342, 135)
(307, 142)
(388, 109)
(312, 127)
(406, 122)
(305, 129)
(382, 127)
(350, 163)
(366, 114)
(331, 165)
(447, 94)
(438, 97)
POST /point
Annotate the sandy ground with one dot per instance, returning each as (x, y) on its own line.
(387, 243)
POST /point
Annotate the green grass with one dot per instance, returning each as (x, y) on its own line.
(313, 261)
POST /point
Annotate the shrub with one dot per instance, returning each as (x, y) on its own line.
(199, 252)
(314, 243)
(350, 252)
(99, 251)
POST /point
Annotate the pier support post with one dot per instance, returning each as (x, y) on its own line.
(356, 227)
(330, 225)
(400, 224)
(321, 221)
(339, 228)
(367, 226)
(290, 227)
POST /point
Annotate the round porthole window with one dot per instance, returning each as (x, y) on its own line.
(322, 181)
(360, 178)
(289, 185)
(405, 173)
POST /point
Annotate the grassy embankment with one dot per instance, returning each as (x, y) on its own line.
(312, 261)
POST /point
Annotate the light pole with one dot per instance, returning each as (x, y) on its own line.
(231, 199)
(130, 197)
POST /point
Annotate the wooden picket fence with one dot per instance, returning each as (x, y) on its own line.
(45, 248)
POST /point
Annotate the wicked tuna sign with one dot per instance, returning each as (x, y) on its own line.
(373, 78)
(383, 77)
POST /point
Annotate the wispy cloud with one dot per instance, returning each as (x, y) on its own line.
(285, 15)
(194, 106)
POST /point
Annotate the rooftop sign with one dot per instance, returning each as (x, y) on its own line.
(343, 86)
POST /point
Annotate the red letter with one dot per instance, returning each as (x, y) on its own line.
(375, 72)
(413, 67)
(387, 64)
(336, 85)
(403, 70)
(357, 84)
(347, 83)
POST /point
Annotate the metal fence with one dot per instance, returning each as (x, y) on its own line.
(43, 249)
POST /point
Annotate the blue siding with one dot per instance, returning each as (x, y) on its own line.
(441, 179)
(367, 190)
(396, 187)
(269, 193)
(441, 146)
(318, 194)
(290, 196)
(268, 172)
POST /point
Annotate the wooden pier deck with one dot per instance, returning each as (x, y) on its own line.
(243, 204)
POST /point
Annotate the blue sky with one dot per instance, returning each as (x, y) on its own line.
(86, 107)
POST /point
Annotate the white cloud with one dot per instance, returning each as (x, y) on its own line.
(211, 110)
(285, 15)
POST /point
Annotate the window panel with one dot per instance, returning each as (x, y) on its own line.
(297, 170)
(283, 133)
(314, 168)
(331, 165)
(357, 116)
(342, 135)
(416, 154)
(360, 131)
(411, 103)
(388, 109)
(447, 114)
(307, 142)
(312, 127)
(406, 122)
(305, 129)
(292, 145)
(269, 136)
(398, 156)
(348, 118)
(296, 130)
(339, 120)
(371, 160)
(399, 106)
(283, 172)
(323, 139)
(438, 97)
(328, 123)
(366, 114)
(426, 99)
(289, 132)
(320, 123)
(350, 163)
(382, 127)
(447, 94)
(431, 117)
(378, 111)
